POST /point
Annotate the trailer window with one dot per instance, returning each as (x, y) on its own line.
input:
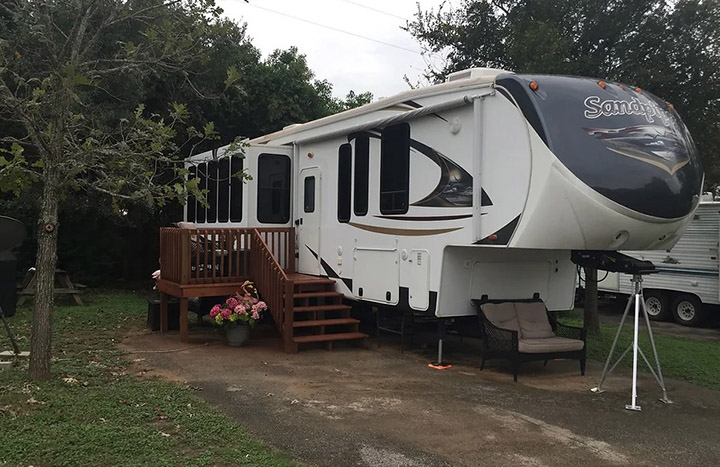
(202, 184)
(273, 201)
(191, 201)
(344, 182)
(395, 169)
(309, 194)
(212, 194)
(362, 174)
(223, 198)
(236, 189)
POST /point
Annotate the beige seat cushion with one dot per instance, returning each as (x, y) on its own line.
(187, 225)
(533, 320)
(501, 315)
(550, 344)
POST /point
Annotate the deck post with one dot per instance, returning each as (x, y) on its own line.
(163, 312)
(291, 247)
(184, 319)
(185, 251)
(288, 305)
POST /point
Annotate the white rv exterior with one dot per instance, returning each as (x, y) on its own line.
(687, 277)
(428, 199)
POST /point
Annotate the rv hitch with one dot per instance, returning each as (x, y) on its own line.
(611, 261)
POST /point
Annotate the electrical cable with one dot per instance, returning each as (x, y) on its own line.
(332, 28)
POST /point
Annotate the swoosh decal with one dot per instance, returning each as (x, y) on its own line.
(454, 189)
(425, 218)
(402, 232)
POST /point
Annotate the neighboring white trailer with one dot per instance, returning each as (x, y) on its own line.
(480, 186)
(687, 278)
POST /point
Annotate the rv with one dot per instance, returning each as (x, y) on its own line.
(479, 187)
(686, 283)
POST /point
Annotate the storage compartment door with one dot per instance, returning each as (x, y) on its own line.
(419, 293)
(376, 275)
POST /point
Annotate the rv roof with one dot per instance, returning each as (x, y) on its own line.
(470, 78)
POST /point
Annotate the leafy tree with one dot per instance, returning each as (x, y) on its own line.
(61, 63)
(670, 48)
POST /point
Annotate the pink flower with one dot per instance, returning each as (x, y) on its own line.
(231, 302)
(261, 306)
(240, 309)
(215, 310)
(225, 313)
(255, 315)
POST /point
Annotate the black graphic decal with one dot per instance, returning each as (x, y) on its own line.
(654, 145)
(502, 236)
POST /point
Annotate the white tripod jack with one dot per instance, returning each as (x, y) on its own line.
(638, 300)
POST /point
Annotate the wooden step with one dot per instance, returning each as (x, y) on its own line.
(324, 322)
(345, 336)
(303, 309)
(313, 281)
(317, 294)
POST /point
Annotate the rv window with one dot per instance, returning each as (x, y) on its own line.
(395, 169)
(212, 194)
(309, 194)
(223, 199)
(273, 201)
(191, 199)
(362, 174)
(202, 175)
(236, 190)
(344, 182)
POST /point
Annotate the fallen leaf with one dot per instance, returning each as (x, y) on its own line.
(70, 380)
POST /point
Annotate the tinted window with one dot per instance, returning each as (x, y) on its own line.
(344, 182)
(273, 204)
(395, 169)
(236, 190)
(309, 194)
(212, 187)
(223, 199)
(202, 175)
(191, 201)
(362, 174)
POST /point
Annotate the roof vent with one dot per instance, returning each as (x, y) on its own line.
(474, 73)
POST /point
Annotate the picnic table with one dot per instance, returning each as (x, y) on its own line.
(63, 285)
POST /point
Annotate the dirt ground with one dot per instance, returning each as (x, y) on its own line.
(380, 407)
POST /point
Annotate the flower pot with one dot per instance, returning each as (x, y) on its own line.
(237, 334)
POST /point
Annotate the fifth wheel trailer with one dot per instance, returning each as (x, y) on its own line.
(477, 187)
(686, 284)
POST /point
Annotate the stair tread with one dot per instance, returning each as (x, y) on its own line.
(299, 309)
(344, 336)
(317, 294)
(313, 281)
(324, 322)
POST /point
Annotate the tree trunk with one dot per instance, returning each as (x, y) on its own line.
(47, 231)
(592, 322)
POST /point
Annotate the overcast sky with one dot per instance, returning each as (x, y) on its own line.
(375, 62)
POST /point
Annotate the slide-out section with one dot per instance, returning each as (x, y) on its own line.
(470, 272)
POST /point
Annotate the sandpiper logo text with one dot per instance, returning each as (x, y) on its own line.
(608, 108)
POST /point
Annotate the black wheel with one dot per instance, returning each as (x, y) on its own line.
(657, 304)
(688, 310)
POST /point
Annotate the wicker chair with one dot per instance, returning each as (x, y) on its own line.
(523, 331)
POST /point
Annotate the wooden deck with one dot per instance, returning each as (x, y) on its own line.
(215, 262)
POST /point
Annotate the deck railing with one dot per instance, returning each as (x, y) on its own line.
(204, 256)
(274, 285)
(219, 255)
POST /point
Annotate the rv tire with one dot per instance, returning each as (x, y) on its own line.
(657, 304)
(688, 310)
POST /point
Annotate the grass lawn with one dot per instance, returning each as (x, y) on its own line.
(680, 358)
(93, 413)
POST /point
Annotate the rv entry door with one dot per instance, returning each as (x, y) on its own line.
(308, 222)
